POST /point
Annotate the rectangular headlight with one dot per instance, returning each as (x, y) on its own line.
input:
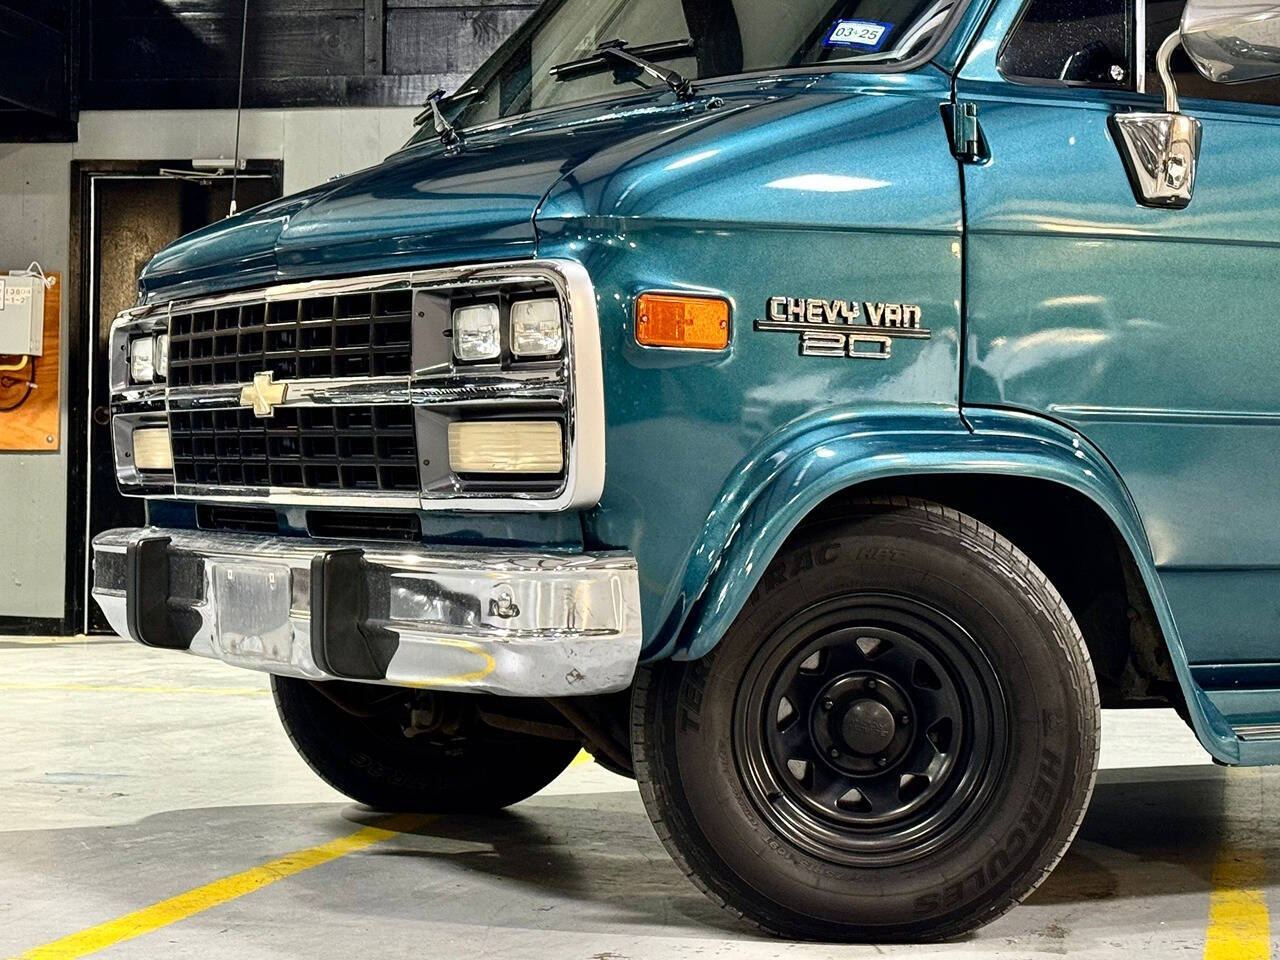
(142, 360)
(536, 330)
(151, 449)
(506, 446)
(476, 332)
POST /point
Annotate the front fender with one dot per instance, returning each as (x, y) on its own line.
(812, 459)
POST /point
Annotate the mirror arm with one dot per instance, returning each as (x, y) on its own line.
(1160, 150)
(1163, 58)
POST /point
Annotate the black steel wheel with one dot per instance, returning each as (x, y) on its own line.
(896, 740)
(872, 731)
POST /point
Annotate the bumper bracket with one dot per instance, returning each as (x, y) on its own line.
(343, 641)
(153, 619)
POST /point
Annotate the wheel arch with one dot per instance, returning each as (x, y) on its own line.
(812, 467)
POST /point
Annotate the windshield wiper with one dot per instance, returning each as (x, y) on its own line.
(613, 53)
(445, 130)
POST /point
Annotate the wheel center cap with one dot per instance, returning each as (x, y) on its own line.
(868, 727)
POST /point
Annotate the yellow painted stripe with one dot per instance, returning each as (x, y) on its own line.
(580, 759)
(54, 641)
(1239, 925)
(187, 904)
(125, 688)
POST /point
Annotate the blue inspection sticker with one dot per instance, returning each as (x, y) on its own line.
(868, 35)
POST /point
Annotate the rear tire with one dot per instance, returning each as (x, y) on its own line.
(463, 766)
(896, 739)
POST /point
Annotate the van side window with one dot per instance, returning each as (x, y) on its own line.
(1071, 43)
(1163, 17)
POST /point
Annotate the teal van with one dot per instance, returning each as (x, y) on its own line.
(818, 412)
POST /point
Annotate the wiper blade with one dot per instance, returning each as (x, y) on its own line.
(612, 53)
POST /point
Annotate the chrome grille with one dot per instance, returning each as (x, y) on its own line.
(350, 335)
(341, 392)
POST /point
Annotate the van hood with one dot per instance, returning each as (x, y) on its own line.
(428, 206)
(422, 206)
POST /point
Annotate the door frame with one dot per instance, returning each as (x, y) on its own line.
(84, 174)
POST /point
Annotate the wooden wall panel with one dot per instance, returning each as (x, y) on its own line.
(446, 37)
(34, 424)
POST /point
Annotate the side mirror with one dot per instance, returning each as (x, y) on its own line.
(1229, 41)
(1232, 41)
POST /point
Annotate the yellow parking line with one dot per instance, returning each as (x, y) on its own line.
(580, 759)
(218, 892)
(1239, 925)
(124, 688)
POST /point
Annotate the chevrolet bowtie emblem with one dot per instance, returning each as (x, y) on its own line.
(264, 394)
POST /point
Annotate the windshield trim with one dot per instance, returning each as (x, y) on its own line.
(814, 69)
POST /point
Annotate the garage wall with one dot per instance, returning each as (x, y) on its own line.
(35, 216)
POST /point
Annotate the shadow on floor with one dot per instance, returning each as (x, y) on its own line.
(575, 862)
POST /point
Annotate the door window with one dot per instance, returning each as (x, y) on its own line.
(1071, 43)
(1163, 17)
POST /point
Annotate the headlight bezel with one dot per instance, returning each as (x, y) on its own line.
(136, 324)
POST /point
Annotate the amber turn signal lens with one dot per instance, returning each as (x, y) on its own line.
(676, 320)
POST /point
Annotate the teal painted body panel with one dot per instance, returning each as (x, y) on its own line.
(1145, 330)
(1103, 346)
(640, 216)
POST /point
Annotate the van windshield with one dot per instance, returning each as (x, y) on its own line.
(725, 37)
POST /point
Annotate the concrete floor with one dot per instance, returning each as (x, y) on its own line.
(133, 776)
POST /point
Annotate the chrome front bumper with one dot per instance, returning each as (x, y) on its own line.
(509, 622)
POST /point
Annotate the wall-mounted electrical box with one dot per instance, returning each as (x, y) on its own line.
(21, 315)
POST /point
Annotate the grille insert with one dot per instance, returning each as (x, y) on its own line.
(243, 519)
(350, 335)
(349, 525)
(329, 448)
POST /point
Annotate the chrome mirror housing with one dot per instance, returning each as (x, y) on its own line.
(1160, 150)
(1232, 41)
(1229, 41)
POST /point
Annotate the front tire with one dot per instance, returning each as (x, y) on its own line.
(896, 740)
(391, 759)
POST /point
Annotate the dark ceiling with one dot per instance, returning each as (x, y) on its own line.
(36, 65)
(60, 56)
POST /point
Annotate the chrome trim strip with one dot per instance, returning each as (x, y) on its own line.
(1140, 46)
(516, 623)
(1258, 731)
(577, 386)
(507, 386)
(491, 388)
(296, 497)
(302, 393)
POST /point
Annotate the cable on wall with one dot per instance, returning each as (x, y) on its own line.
(235, 166)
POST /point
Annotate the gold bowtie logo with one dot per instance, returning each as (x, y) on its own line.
(264, 394)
